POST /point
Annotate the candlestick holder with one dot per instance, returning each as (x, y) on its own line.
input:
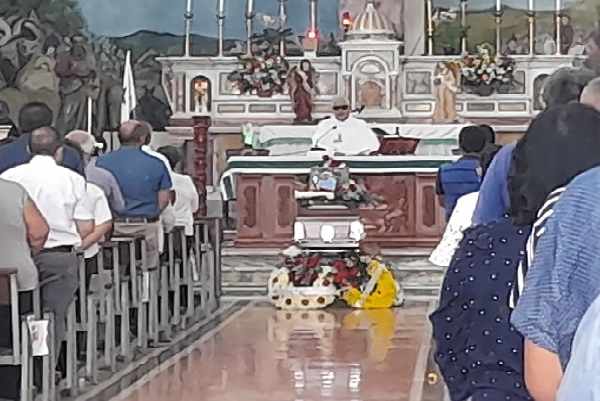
(531, 30)
(558, 16)
(221, 27)
(463, 26)
(498, 21)
(249, 18)
(189, 16)
(430, 30)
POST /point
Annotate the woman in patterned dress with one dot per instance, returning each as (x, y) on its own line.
(479, 353)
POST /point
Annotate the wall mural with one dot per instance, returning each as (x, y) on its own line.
(578, 24)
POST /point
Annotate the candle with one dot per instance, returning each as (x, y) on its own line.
(221, 6)
(188, 7)
(250, 6)
(498, 5)
(558, 5)
(90, 104)
(530, 7)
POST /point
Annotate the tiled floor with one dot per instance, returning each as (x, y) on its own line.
(261, 354)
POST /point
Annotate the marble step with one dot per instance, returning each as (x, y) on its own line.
(244, 274)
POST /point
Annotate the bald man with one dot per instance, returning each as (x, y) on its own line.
(344, 134)
(591, 94)
(94, 174)
(145, 184)
(60, 195)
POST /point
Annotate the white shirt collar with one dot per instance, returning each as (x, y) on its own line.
(41, 160)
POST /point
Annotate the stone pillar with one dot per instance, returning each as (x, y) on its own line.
(201, 125)
(413, 18)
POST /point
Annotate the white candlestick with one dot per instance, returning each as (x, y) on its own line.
(498, 5)
(221, 6)
(188, 7)
(250, 6)
(558, 5)
(530, 7)
(90, 104)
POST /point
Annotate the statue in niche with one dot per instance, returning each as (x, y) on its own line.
(370, 95)
(445, 86)
(201, 95)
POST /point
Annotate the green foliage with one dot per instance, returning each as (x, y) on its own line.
(447, 35)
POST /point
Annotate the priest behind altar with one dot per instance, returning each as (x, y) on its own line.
(344, 134)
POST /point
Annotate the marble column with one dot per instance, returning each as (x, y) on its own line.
(413, 18)
(201, 125)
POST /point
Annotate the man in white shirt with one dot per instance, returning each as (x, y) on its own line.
(344, 134)
(166, 216)
(60, 195)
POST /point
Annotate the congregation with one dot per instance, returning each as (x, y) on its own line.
(518, 316)
(63, 199)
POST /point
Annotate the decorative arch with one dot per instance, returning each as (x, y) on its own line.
(201, 95)
(379, 75)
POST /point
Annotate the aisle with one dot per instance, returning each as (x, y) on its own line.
(260, 354)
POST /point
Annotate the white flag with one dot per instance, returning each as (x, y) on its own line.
(129, 102)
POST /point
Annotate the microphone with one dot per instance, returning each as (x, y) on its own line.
(316, 145)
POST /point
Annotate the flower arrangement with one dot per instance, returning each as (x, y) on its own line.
(260, 75)
(483, 73)
(311, 281)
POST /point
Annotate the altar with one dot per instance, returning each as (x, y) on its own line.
(296, 140)
(408, 213)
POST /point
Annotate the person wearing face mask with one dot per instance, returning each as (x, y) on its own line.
(344, 134)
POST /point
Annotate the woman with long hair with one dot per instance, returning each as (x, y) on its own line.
(478, 352)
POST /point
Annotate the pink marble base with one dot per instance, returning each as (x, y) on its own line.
(261, 354)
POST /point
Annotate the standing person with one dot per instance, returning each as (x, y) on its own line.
(33, 116)
(344, 134)
(145, 184)
(186, 199)
(462, 216)
(461, 177)
(60, 196)
(475, 340)
(94, 174)
(562, 87)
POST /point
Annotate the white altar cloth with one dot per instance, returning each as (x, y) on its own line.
(295, 140)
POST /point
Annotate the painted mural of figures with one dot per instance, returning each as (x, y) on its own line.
(392, 9)
(445, 86)
(301, 94)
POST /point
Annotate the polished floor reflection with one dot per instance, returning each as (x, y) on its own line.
(261, 354)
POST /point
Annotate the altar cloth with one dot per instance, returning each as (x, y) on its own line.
(301, 165)
(296, 140)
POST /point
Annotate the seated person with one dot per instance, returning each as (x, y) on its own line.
(344, 134)
(461, 177)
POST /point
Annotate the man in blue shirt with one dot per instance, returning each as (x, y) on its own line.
(31, 117)
(145, 185)
(462, 176)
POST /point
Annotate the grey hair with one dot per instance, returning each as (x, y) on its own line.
(88, 143)
(592, 88)
(565, 85)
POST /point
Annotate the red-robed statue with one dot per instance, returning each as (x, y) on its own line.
(301, 95)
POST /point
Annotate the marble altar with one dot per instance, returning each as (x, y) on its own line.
(263, 187)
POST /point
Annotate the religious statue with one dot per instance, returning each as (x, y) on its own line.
(301, 94)
(201, 91)
(445, 82)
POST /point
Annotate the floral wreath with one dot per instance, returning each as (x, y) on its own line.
(312, 281)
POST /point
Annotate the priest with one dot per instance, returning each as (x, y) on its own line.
(344, 134)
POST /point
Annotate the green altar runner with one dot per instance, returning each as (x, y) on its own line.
(407, 214)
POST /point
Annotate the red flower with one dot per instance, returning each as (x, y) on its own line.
(326, 158)
(335, 163)
(352, 187)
